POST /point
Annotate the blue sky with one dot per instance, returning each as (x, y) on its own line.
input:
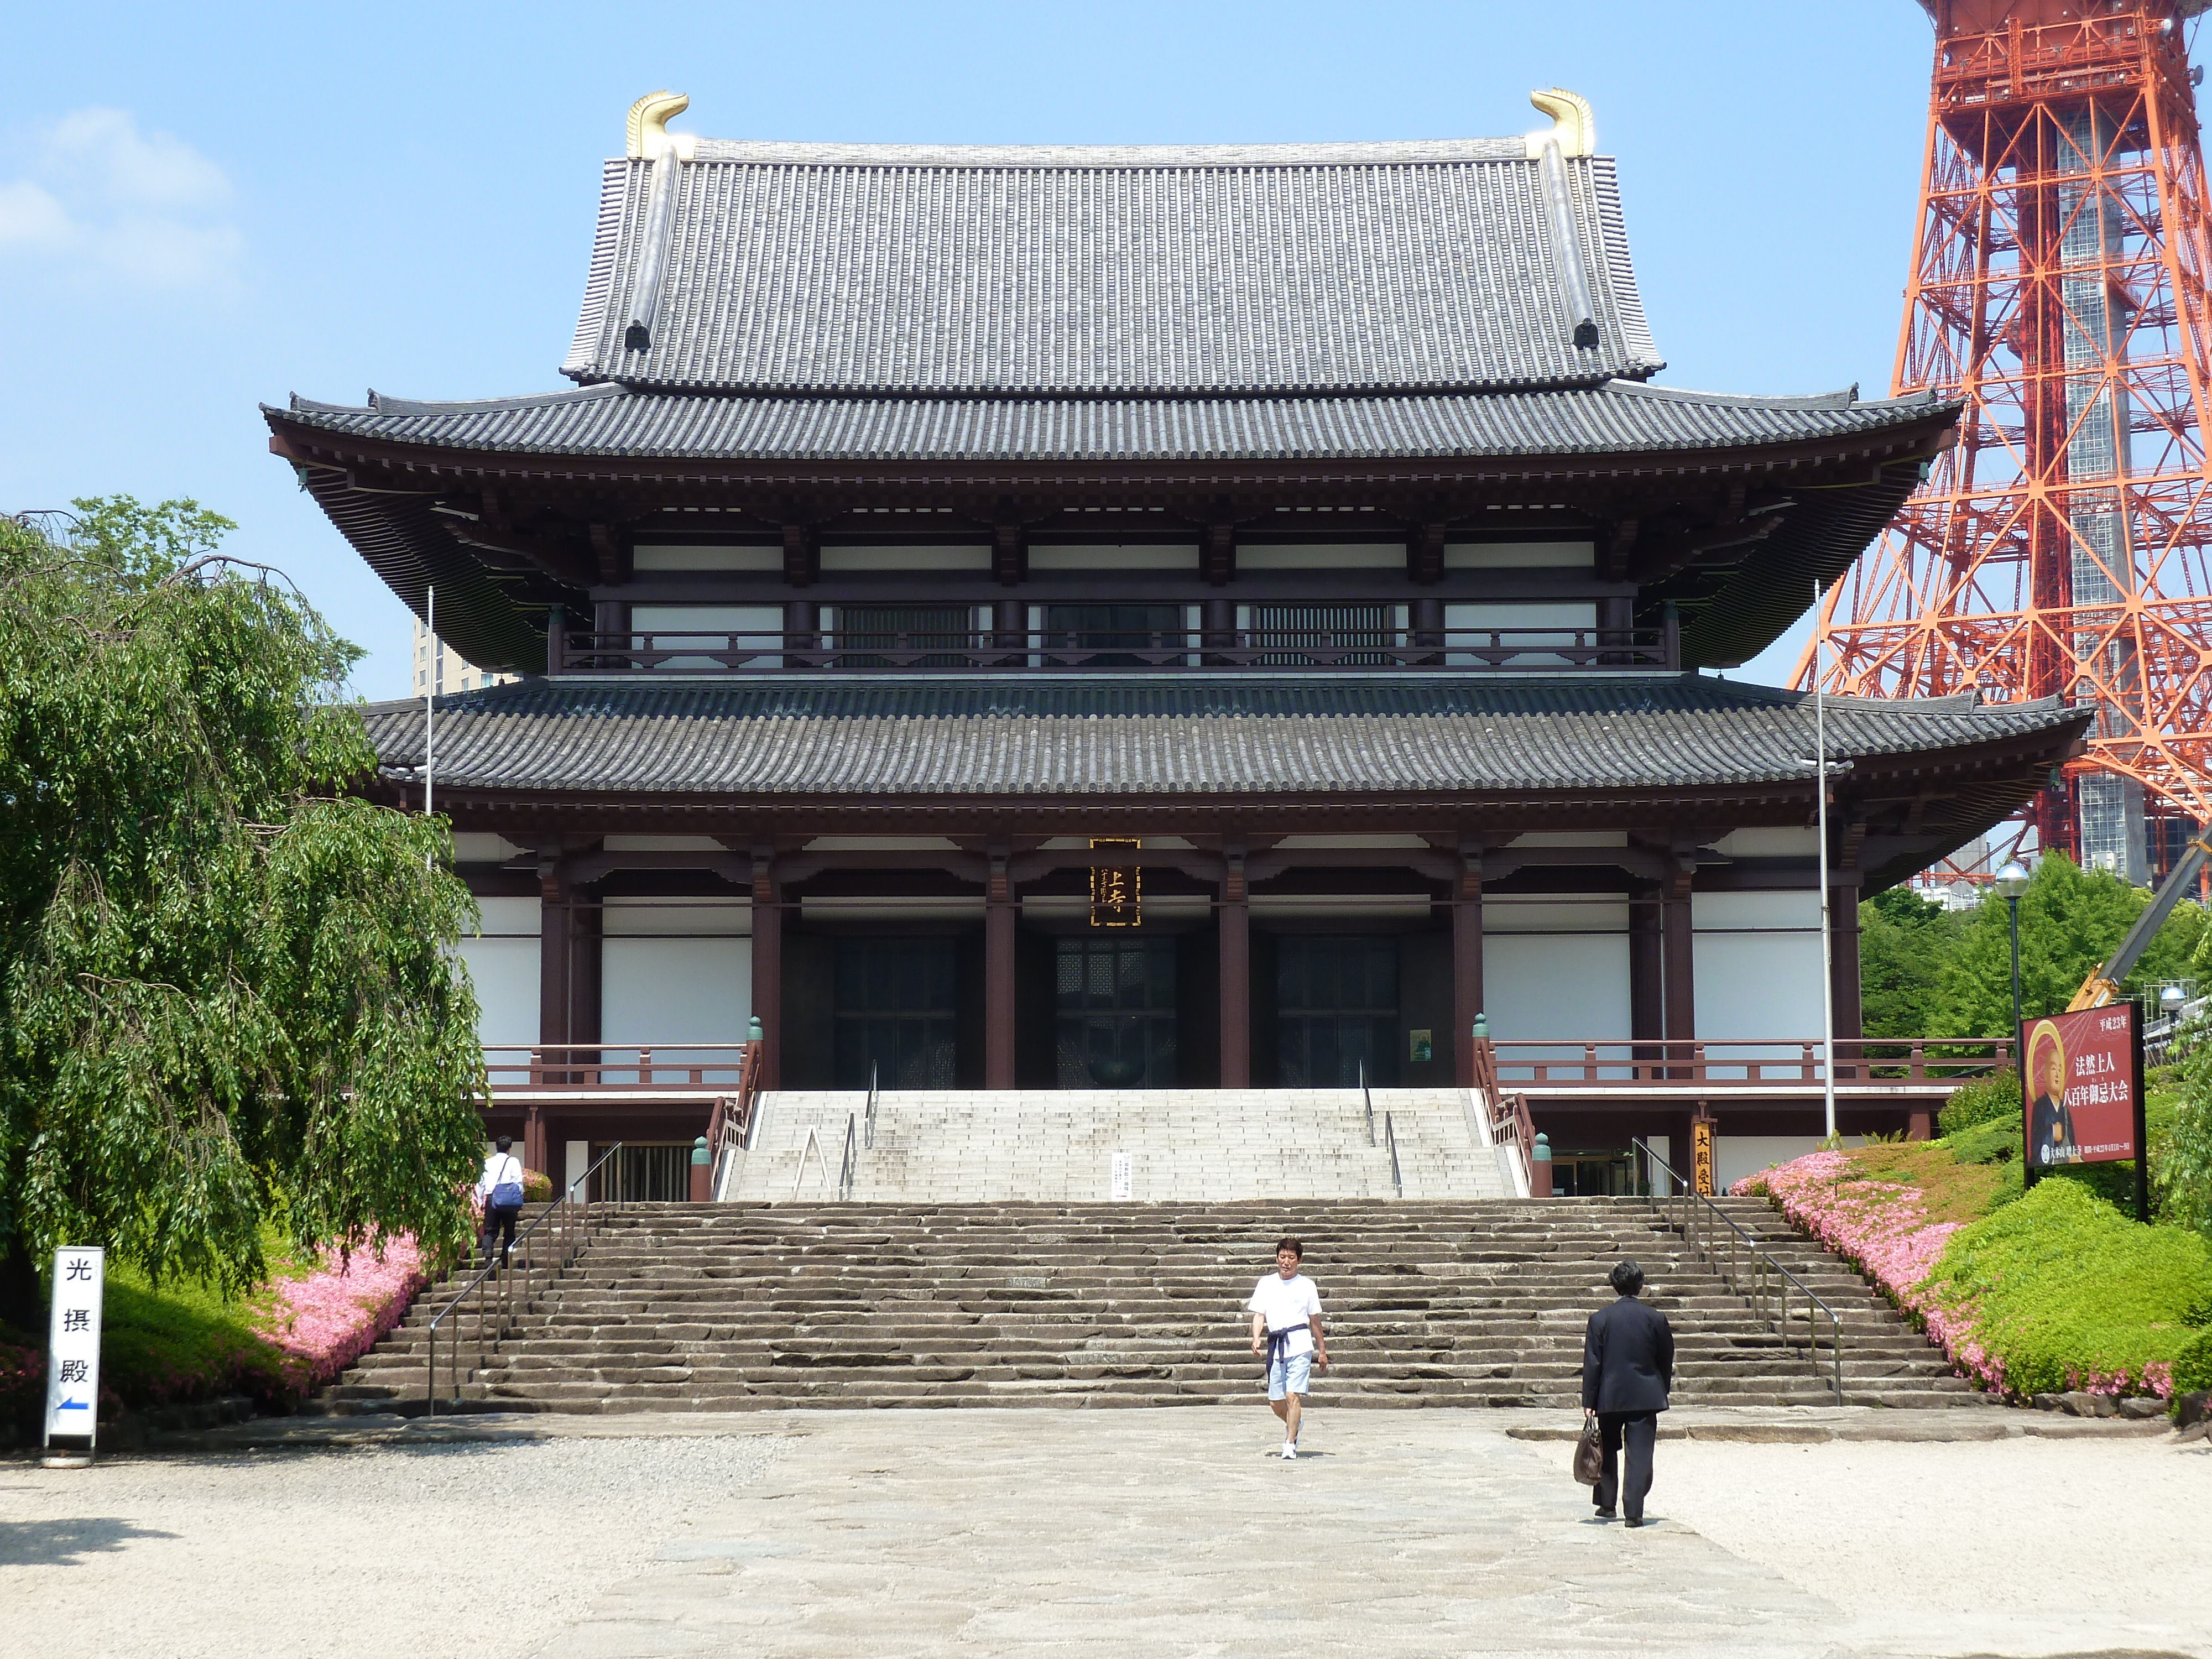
(205, 208)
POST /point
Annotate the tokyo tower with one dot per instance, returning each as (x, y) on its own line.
(2057, 290)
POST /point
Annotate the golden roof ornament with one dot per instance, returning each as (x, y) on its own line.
(649, 137)
(1573, 129)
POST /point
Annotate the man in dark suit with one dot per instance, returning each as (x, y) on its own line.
(1628, 1365)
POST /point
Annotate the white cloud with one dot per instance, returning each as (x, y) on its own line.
(104, 149)
(142, 209)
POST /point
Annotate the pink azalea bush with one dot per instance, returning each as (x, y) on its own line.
(2052, 1291)
(329, 1317)
(1882, 1227)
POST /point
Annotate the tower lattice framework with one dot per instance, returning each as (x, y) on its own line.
(2057, 290)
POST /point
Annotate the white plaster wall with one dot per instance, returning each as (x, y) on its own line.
(758, 627)
(675, 972)
(504, 971)
(1555, 972)
(1757, 957)
(1516, 615)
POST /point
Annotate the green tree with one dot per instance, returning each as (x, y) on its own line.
(2070, 921)
(227, 992)
(1904, 942)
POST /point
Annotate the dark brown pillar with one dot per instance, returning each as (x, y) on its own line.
(998, 978)
(802, 628)
(1217, 621)
(1646, 965)
(554, 937)
(1428, 620)
(533, 1142)
(1682, 992)
(1467, 966)
(768, 965)
(1235, 978)
(586, 953)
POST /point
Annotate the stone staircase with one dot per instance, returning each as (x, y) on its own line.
(1057, 1145)
(735, 1306)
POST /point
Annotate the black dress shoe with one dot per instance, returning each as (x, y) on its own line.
(1605, 1514)
(1634, 1522)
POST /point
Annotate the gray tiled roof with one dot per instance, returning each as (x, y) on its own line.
(1621, 417)
(1205, 271)
(800, 737)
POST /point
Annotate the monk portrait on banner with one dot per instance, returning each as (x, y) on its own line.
(2049, 1124)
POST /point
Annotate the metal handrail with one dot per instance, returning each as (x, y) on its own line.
(563, 1233)
(875, 1071)
(1744, 1250)
(1367, 1098)
(849, 1170)
(730, 1126)
(1745, 1064)
(1390, 1137)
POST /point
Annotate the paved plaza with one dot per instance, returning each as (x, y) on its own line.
(1166, 1532)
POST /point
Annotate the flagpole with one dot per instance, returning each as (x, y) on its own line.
(1828, 946)
(430, 700)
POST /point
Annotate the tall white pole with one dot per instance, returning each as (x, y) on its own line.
(430, 699)
(1827, 945)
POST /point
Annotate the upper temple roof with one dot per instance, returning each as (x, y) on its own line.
(765, 268)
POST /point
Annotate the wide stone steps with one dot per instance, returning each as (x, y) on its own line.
(748, 1306)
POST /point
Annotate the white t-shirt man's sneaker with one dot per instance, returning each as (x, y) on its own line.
(1287, 1302)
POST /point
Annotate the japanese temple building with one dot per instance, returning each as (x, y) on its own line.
(1144, 618)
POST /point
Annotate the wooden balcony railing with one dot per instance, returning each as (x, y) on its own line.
(1062, 651)
(1860, 1062)
(612, 1068)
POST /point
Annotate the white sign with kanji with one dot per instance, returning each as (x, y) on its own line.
(1120, 1177)
(73, 1347)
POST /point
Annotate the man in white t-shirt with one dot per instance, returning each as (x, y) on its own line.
(1286, 1332)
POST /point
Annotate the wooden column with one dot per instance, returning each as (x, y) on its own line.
(1681, 985)
(999, 916)
(587, 957)
(1647, 966)
(802, 626)
(555, 938)
(534, 1150)
(768, 963)
(1467, 966)
(1236, 977)
(1218, 626)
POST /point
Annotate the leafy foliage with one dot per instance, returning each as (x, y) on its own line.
(2070, 921)
(2181, 1161)
(1903, 941)
(227, 994)
(1984, 1100)
(2066, 1292)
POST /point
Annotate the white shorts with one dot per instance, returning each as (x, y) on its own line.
(1288, 1373)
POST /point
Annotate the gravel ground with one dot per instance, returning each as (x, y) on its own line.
(473, 1550)
(1095, 1534)
(2025, 1546)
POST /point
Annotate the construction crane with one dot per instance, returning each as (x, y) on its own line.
(2101, 986)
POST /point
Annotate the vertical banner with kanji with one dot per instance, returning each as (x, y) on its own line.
(73, 1347)
(2081, 1088)
(1701, 1143)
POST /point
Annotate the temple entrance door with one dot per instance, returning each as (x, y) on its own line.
(1593, 1174)
(1336, 1002)
(896, 1012)
(1116, 1012)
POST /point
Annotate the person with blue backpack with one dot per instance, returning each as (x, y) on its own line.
(499, 1188)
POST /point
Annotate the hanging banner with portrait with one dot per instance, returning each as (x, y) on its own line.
(2081, 1086)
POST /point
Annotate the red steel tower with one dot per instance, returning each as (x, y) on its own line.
(2058, 291)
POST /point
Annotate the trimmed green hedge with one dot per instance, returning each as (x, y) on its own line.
(2062, 1292)
(2192, 1366)
(1986, 1100)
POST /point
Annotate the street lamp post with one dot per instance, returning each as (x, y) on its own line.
(2012, 882)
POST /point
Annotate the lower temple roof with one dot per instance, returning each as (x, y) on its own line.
(1009, 739)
